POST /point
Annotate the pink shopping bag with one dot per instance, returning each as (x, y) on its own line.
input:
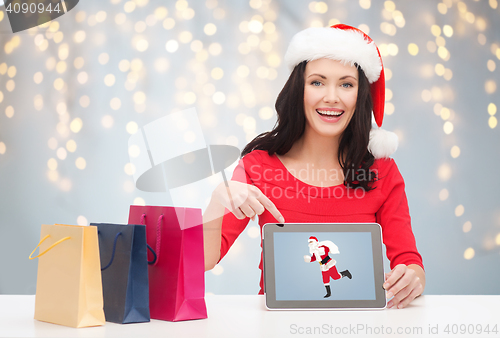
(177, 277)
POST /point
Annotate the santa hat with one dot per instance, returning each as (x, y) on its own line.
(349, 45)
(312, 239)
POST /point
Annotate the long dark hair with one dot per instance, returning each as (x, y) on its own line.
(353, 154)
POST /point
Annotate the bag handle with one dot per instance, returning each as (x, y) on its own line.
(50, 247)
(113, 253)
(156, 253)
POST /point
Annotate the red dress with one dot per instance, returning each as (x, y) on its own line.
(299, 202)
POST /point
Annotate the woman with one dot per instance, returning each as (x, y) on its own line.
(323, 162)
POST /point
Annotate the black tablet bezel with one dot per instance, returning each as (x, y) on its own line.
(268, 231)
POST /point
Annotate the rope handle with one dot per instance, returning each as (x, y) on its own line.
(156, 252)
(113, 253)
(50, 247)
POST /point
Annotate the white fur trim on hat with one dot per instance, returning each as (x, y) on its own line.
(348, 46)
(382, 143)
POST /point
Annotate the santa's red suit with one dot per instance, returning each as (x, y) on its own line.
(319, 253)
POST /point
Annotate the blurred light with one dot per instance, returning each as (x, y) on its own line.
(65, 184)
(497, 239)
(209, 89)
(444, 194)
(52, 164)
(435, 30)
(262, 72)
(389, 6)
(442, 8)
(103, 58)
(84, 101)
(11, 72)
(445, 113)
(448, 30)
(364, 28)
(80, 163)
(467, 226)
(71, 146)
(266, 113)
(9, 111)
(217, 73)
(492, 122)
(365, 4)
(1, 96)
(413, 49)
(459, 210)
(254, 26)
(107, 121)
(493, 4)
(120, 18)
(61, 67)
(139, 97)
(81, 220)
(431, 46)
(448, 74)
(490, 86)
(140, 26)
(79, 62)
(76, 125)
(62, 129)
(389, 108)
(168, 23)
(491, 65)
(129, 7)
(392, 49)
(492, 109)
(426, 95)
(61, 153)
(129, 169)
(388, 94)
(210, 29)
(38, 102)
(52, 143)
(172, 46)
(134, 151)
(439, 69)
(79, 36)
(444, 172)
(218, 270)
(219, 98)
(185, 37)
(448, 127)
(82, 77)
(455, 151)
(109, 80)
(440, 41)
(215, 48)
(469, 253)
(139, 201)
(189, 98)
(443, 53)
(10, 85)
(131, 127)
(115, 103)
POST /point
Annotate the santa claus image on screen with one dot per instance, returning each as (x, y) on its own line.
(320, 252)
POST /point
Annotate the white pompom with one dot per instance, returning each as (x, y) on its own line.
(382, 143)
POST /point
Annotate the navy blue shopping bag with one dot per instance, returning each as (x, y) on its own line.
(124, 268)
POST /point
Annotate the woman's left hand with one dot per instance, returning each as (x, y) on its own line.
(404, 284)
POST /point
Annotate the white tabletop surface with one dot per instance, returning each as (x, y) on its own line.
(246, 316)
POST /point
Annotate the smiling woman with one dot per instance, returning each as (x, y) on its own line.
(324, 124)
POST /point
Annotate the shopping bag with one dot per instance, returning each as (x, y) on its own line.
(69, 289)
(177, 277)
(124, 269)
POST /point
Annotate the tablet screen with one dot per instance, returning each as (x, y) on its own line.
(312, 266)
(300, 280)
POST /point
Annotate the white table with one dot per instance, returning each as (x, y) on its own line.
(246, 316)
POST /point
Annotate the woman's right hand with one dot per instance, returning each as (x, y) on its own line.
(245, 200)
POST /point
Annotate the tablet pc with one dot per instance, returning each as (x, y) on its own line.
(323, 266)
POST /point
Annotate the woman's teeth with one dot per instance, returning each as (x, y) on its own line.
(330, 112)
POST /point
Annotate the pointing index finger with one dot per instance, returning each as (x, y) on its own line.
(269, 205)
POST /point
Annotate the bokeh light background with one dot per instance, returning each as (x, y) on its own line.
(73, 91)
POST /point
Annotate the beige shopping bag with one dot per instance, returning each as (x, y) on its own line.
(69, 287)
